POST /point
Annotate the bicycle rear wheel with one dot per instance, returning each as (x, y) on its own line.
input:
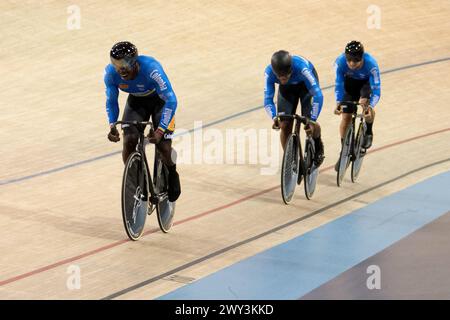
(289, 169)
(165, 210)
(311, 170)
(359, 153)
(345, 157)
(135, 195)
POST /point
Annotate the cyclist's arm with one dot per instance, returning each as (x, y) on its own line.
(339, 83)
(269, 92)
(313, 86)
(112, 95)
(166, 93)
(375, 86)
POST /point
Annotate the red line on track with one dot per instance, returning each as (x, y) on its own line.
(254, 195)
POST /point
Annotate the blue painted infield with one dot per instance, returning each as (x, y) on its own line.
(294, 268)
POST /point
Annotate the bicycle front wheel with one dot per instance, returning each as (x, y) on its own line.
(165, 210)
(135, 195)
(311, 170)
(290, 169)
(359, 153)
(345, 157)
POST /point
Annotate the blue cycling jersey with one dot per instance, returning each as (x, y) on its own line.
(368, 71)
(302, 71)
(150, 79)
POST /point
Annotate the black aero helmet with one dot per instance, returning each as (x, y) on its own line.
(281, 63)
(354, 50)
(124, 50)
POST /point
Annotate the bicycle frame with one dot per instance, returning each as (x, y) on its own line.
(298, 120)
(140, 148)
(350, 146)
(355, 116)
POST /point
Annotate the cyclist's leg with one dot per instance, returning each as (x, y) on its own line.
(165, 146)
(352, 89)
(167, 152)
(135, 110)
(346, 120)
(312, 112)
(368, 138)
(351, 93)
(287, 102)
(308, 110)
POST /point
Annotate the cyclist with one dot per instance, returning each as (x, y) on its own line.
(298, 80)
(150, 94)
(357, 79)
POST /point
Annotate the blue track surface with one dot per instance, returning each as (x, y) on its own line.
(294, 268)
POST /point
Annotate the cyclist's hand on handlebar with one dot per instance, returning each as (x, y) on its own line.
(338, 109)
(308, 128)
(368, 113)
(113, 135)
(364, 102)
(276, 123)
(155, 136)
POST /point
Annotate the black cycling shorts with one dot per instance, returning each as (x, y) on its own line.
(140, 109)
(355, 89)
(290, 94)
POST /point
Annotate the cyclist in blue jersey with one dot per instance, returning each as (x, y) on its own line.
(357, 79)
(150, 95)
(298, 81)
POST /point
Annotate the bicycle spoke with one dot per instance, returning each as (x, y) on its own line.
(290, 169)
(134, 196)
(345, 155)
(312, 171)
(359, 154)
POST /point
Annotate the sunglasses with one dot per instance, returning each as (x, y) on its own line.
(284, 74)
(354, 59)
(125, 63)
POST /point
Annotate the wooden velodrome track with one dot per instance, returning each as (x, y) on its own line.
(59, 210)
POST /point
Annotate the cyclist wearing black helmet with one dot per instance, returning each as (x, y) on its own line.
(357, 79)
(298, 80)
(150, 94)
